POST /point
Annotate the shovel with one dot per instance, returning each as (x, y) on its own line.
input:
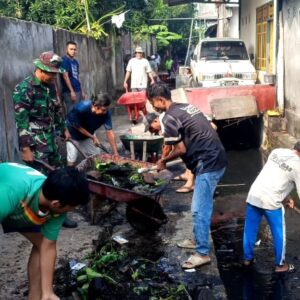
(103, 148)
(168, 164)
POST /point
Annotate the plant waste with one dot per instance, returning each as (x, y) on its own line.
(114, 274)
(126, 176)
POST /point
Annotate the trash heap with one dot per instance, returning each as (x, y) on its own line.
(115, 274)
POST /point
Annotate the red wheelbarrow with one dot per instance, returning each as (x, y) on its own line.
(143, 210)
(134, 102)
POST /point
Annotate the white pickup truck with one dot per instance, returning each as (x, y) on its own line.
(221, 62)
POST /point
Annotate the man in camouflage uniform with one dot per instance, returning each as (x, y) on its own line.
(38, 112)
(39, 115)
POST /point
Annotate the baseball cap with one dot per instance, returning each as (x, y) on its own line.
(149, 118)
(49, 62)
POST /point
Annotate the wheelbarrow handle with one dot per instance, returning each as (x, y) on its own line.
(103, 148)
(44, 164)
(75, 144)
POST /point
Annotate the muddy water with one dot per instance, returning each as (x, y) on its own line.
(259, 282)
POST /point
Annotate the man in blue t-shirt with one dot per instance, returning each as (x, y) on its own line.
(83, 120)
(71, 87)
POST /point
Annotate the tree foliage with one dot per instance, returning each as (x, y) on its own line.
(92, 16)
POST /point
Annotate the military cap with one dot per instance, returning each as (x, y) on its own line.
(49, 62)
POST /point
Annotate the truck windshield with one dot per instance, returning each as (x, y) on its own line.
(223, 50)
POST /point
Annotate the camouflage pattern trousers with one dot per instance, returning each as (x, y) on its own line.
(46, 149)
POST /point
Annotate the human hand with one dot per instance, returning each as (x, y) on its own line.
(290, 203)
(27, 154)
(152, 81)
(73, 97)
(50, 297)
(67, 135)
(161, 165)
(125, 85)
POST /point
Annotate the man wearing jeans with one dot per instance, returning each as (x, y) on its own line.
(199, 146)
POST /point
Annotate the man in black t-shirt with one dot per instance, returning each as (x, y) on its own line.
(199, 146)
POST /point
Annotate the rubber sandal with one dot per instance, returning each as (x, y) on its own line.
(195, 261)
(185, 189)
(247, 263)
(180, 178)
(188, 244)
(291, 269)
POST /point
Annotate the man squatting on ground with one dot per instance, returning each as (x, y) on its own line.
(83, 120)
(36, 206)
(199, 146)
(71, 86)
(266, 197)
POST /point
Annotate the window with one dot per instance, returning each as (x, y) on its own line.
(264, 14)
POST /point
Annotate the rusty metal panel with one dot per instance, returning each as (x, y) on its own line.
(265, 95)
(233, 107)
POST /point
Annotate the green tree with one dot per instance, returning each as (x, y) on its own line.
(92, 17)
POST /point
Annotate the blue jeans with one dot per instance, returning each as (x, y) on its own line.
(276, 221)
(202, 207)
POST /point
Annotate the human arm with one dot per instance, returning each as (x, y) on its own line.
(112, 141)
(69, 86)
(166, 149)
(152, 81)
(127, 75)
(88, 135)
(178, 150)
(22, 98)
(149, 72)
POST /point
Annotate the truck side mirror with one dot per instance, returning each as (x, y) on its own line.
(251, 56)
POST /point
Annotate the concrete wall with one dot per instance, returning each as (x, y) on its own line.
(248, 29)
(248, 22)
(291, 42)
(101, 67)
(21, 42)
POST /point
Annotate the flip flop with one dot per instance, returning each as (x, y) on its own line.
(180, 178)
(291, 269)
(195, 261)
(185, 189)
(188, 244)
(248, 263)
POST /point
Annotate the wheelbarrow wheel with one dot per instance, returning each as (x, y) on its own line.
(145, 215)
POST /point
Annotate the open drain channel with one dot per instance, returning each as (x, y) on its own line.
(259, 282)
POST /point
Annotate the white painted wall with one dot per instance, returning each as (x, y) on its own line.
(248, 28)
(233, 31)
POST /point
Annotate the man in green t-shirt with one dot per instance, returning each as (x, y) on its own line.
(35, 206)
